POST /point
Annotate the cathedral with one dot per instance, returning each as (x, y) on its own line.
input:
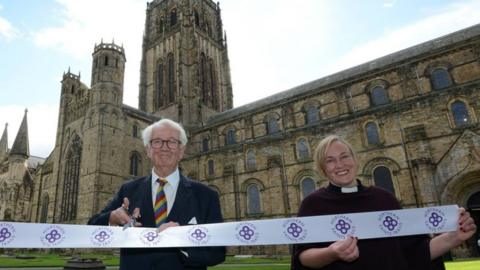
(413, 117)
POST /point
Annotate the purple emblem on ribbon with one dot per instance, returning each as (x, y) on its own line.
(390, 223)
(102, 236)
(435, 219)
(150, 236)
(294, 230)
(53, 236)
(4, 234)
(342, 226)
(198, 234)
(246, 232)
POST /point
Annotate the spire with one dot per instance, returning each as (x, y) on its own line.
(20, 145)
(4, 143)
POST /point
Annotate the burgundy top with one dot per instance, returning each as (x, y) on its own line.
(395, 253)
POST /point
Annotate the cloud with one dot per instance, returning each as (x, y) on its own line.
(42, 126)
(452, 18)
(86, 23)
(389, 4)
(7, 31)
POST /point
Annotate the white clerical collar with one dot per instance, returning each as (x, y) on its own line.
(349, 189)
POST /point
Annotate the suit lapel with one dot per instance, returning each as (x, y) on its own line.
(181, 207)
(146, 208)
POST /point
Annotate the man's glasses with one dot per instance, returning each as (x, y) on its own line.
(172, 144)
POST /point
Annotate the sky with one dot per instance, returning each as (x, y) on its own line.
(273, 45)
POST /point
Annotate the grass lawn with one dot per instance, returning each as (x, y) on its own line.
(231, 263)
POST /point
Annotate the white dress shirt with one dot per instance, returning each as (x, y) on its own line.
(170, 188)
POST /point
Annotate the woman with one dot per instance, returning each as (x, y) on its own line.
(336, 160)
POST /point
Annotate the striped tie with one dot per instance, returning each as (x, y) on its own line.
(160, 207)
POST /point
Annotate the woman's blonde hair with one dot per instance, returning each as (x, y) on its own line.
(320, 153)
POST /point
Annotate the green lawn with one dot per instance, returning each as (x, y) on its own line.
(231, 263)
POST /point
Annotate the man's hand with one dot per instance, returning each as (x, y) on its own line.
(121, 216)
(164, 226)
(345, 250)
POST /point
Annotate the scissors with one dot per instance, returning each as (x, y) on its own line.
(133, 218)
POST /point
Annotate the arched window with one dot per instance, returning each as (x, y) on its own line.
(69, 203)
(211, 167)
(302, 148)
(134, 163)
(230, 137)
(308, 186)
(460, 113)
(379, 96)
(197, 18)
(383, 178)
(440, 79)
(135, 131)
(205, 145)
(173, 17)
(203, 79)
(160, 89)
(213, 86)
(253, 199)
(372, 133)
(251, 160)
(106, 61)
(272, 125)
(44, 209)
(311, 115)
(171, 79)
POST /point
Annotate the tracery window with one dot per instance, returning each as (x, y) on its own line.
(69, 203)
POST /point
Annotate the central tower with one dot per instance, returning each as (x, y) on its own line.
(185, 73)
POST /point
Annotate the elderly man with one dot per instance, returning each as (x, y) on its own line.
(163, 199)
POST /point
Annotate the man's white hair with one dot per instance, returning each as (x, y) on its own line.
(147, 132)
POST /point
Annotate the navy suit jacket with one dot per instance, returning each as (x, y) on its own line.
(193, 199)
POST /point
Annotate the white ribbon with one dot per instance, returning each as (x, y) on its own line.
(256, 232)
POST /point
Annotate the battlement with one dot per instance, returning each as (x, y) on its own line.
(109, 46)
(70, 75)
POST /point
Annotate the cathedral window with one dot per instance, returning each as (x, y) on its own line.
(460, 113)
(253, 200)
(371, 129)
(44, 209)
(440, 79)
(311, 114)
(302, 148)
(197, 18)
(211, 167)
(307, 186)
(134, 163)
(171, 79)
(230, 137)
(251, 160)
(173, 17)
(106, 61)
(272, 126)
(69, 203)
(205, 145)
(383, 178)
(203, 79)
(135, 131)
(213, 86)
(379, 96)
(160, 90)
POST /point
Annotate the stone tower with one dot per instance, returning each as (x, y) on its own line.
(185, 72)
(4, 144)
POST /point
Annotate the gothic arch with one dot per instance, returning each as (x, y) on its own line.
(71, 178)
